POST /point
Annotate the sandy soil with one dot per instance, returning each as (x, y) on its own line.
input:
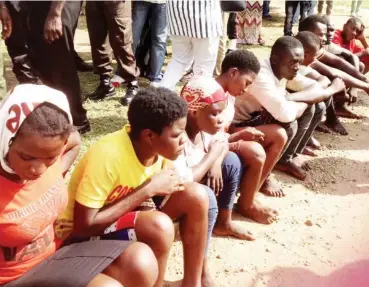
(322, 237)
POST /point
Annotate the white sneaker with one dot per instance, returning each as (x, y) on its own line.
(155, 84)
(117, 80)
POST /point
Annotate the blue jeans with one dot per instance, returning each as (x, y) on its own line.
(159, 33)
(231, 172)
(266, 4)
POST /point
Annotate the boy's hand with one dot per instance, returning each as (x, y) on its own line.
(252, 134)
(6, 22)
(166, 182)
(215, 178)
(53, 28)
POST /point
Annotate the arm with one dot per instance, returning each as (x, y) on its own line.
(333, 73)
(322, 80)
(273, 99)
(339, 63)
(351, 58)
(93, 221)
(201, 169)
(71, 151)
(319, 94)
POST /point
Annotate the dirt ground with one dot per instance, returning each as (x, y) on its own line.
(322, 237)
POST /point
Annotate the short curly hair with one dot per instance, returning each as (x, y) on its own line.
(309, 40)
(284, 45)
(309, 23)
(155, 109)
(245, 61)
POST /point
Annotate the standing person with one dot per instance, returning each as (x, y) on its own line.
(230, 32)
(355, 7)
(51, 25)
(37, 148)
(291, 8)
(329, 7)
(249, 23)
(112, 20)
(266, 9)
(194, 28)
(16, 35)
(156, 12)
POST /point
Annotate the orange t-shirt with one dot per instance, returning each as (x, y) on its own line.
(27, 215)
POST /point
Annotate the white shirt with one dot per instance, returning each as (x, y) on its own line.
(195, 18)
(269, 93)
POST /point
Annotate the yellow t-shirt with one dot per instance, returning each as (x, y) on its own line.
(108, 171)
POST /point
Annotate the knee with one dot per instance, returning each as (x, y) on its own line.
(320, 109)
(196, 196)
(233, 164)
(139, 263)
(256, 155)
(157, 227)
(281, 136)
(291, 129)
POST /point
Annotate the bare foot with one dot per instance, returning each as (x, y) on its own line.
(291, 168)
(323, 129)
(337, 127)
(314, 143)
(308, 151)
(232, 229)
(302, 163)
(271, 188)
(260, 214)
(344, 112)
(208, 281)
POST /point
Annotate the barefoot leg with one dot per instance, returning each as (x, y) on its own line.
(271, 188)
(333, 122)
(314, 143)
(259, 213)
(291, 168)
(226, 227)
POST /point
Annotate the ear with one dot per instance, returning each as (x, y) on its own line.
(232, 72)
(274, 59)
(147, 135)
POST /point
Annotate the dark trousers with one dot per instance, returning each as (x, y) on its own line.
(232, 26)
(111, 21)
(300, 131)
(17, 43)
(266, 4)
(55, 62)
(291, 7)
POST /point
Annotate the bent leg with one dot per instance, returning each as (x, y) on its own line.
(191, 208)
(253, 157)
(136, 266)
(156, 229)
(231, 172)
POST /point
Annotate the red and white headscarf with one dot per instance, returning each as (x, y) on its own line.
(17, 105)
(202, 91)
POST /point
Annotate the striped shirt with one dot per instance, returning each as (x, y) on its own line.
(195, 18)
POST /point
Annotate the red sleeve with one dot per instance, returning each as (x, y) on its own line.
(337, 38)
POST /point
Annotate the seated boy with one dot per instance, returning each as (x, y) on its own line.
(126, 168)
(333, 66)
(297, 112)
(352, 38)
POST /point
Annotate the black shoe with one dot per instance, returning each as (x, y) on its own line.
(83, 128)
(130, 94)
(82, 66)
(105, 89)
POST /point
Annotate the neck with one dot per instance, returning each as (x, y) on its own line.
(144, 153)
(10, 176)
(344, 38)
(192, 128)
(223, 80)
(275, 71)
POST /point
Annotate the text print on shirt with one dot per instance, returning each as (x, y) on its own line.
(31, 250)
(118, 193)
